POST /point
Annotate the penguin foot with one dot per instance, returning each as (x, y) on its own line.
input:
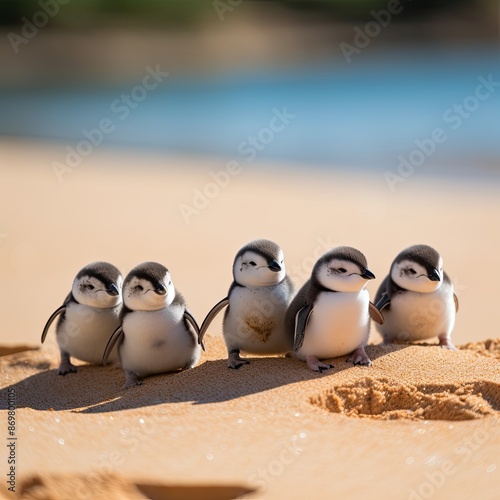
(316, 365)
(235, 362)
(131, 380)
(359, 357)
(446, 343)
(66, 367)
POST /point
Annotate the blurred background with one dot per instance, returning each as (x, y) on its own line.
(367, 77)
(369, 123)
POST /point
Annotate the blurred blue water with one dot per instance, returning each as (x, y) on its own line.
(360, 115)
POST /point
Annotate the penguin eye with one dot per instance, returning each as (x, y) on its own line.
(252, 263)
(342, 270)
(139, 287)
(88, 286)
(411, 271)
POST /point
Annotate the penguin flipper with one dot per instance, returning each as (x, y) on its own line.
(455, 298)
(375, 314)
(383, 302)
(210, 316)
(189, 318)
(53, 316)
(115, 337)
(301, 321)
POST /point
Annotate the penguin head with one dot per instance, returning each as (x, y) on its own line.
(259, 263)
(343, 269)
(418, 268)
(148, 287)
(98, 284)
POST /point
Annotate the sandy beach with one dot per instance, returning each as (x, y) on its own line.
(422, 422)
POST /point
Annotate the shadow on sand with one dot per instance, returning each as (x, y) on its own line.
(97, 389)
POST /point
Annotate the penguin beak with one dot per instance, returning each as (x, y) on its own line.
(160, 289)
(113, 290)
(274, 266)
(367, 275)
(434, 276)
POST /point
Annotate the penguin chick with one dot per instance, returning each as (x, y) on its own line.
(330, 316)
(157, 333)
(88, 316)
(257, 301)
(417, 298)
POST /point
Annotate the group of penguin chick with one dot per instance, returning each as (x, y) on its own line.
(152, 331)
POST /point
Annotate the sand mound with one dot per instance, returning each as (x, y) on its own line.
(489, 348)
(7, 350)
(61, 487)
(386, 399)
(113, 487)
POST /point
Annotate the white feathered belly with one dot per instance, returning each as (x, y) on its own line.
(86, 330)
(338, 325)
(418, 316)
(157, 342)
(255, 322)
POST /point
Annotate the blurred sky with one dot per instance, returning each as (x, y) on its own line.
(367, 83)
